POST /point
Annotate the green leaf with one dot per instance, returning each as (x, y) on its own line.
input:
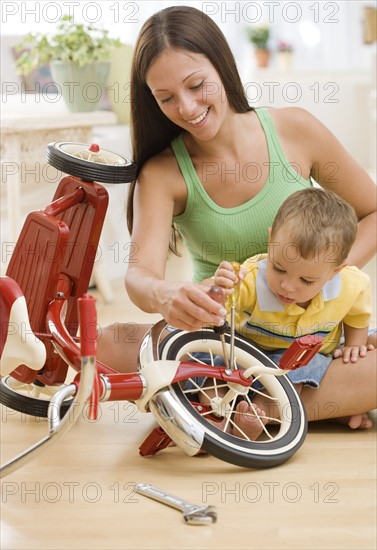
(71, 43)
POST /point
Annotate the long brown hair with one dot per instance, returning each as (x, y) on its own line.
(183, 28)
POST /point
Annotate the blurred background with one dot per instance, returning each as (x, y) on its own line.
(321, 55)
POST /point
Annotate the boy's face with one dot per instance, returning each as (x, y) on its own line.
(293, 279)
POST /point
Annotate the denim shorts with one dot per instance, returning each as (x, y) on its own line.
(310, 375)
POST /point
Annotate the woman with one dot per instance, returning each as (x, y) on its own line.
(219, 170)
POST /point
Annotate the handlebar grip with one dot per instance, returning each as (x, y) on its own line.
(88, 325)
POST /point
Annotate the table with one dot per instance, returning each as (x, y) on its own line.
(26, 130)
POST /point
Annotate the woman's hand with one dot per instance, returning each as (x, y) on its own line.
(188, 306)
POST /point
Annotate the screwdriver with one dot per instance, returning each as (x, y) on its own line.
(231, 304)
(216, 293)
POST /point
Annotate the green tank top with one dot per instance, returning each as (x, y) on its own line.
(212, 233)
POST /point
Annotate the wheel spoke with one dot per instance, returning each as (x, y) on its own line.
(198, 388)
(269, 433)
(268, 418)
(32, 399)
(236, 427)
(224, 399)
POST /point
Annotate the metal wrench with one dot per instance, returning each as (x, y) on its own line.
(193, 514)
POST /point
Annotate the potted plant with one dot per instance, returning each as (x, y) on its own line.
(284, 55)
(79, 59)
(259, 36)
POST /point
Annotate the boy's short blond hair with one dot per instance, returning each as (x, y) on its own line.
(319, 221)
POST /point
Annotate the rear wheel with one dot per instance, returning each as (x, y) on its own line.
(90, 163)
(32, 399)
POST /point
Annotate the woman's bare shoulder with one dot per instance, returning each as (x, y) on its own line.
(305, 135)
(294, 119)
(161, 178)
(162, 166)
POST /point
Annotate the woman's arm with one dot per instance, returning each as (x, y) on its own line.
(352, 183)
(185, 305)
(365, 245)
(305, 138)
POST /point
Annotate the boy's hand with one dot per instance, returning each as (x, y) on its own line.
(352, 353)
(226, 277)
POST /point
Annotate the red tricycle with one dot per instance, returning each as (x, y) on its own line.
(48, 278)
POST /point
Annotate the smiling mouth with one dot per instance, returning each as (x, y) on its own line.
(198, 119)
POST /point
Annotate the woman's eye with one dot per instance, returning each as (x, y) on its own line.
(165, 99)
(197, 86)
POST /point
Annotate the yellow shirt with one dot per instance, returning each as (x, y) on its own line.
(262, 318)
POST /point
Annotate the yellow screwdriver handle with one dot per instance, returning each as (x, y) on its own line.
(232, 300)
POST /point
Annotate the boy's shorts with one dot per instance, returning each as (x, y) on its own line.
(310, 375)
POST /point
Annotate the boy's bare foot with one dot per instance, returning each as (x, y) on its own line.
(248, 421)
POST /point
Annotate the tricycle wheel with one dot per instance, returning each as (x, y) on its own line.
(282, 435)
(90, 163)
(32, 399)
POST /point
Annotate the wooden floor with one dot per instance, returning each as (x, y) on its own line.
(79, 494)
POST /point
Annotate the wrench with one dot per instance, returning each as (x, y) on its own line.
(193, 514)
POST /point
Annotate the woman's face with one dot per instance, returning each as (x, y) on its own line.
(189, 92)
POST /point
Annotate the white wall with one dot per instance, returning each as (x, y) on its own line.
(333, 70)
(337, 24)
